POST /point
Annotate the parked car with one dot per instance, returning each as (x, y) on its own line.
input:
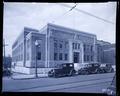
(90, 68)
(111, 90)
(66, 69)
(106, 68)
(6, 72)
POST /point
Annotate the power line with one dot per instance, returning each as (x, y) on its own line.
(66, 12)
(87, 13)
(73, 7)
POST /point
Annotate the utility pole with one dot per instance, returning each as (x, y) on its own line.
(4, 50)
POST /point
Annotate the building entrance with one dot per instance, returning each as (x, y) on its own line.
(76, 57)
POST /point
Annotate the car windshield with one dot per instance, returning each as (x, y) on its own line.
(96, 64)
(88, 65)
(59, 66)
(103, 65)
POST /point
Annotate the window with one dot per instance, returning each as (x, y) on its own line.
(84, 47)
(91, 58)
(39, 56)
(60, 56)
(66, 56)
(60, 45)
(55, 56)
(78, 46)
(87, 57)
(75, 45)
(55, 45)
(91, 48)
(66, 43)
(87, 49)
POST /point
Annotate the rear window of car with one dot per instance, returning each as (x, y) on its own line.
(103, 65)
(88, 65)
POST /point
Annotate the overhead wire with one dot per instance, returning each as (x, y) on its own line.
(87, 13)
(65, 13)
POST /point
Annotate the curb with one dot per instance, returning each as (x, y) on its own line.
(27, 78)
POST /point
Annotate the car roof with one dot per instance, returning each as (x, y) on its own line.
(66, 63)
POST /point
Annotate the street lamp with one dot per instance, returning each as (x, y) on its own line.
(36, 44)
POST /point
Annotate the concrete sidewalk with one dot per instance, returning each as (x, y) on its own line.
(18, 76)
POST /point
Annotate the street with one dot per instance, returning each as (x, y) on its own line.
(93, 83)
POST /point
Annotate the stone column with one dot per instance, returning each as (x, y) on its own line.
(47, 49)
(82, 53)
(30, 50)
(70, 52)
(24, 51)
(95, 50)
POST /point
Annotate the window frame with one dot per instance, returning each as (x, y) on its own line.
(66, 56)
(55, 56)
(39, 57)
(60, 56)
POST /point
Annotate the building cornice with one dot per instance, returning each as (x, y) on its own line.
(72, 30)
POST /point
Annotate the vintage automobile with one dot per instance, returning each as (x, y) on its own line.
(6, 72)
(106, 68)
(90, 68)
(66, 69)
(111, 90)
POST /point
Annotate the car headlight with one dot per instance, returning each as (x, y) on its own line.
(53, 71)
(104, 90)
(110, 92)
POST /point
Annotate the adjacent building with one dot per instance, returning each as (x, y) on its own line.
(105, 52)
(109, 56)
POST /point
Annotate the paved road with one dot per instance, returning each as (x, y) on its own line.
(81, 83)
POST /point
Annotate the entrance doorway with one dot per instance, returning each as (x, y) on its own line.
(76, 57)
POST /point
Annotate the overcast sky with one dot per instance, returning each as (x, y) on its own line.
(37, 15)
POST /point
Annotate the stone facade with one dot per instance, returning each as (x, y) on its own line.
(57, 45)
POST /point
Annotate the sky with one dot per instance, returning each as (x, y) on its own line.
(16, 16)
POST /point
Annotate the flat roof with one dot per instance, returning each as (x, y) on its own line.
(24, 30)
(70, 29)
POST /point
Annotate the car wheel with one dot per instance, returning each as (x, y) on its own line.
(112, 70)
(55, 75)
(99, 71)
(79, 72)
(71, 73)
(86, 73)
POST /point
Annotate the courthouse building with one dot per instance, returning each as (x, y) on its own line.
(57, 45)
